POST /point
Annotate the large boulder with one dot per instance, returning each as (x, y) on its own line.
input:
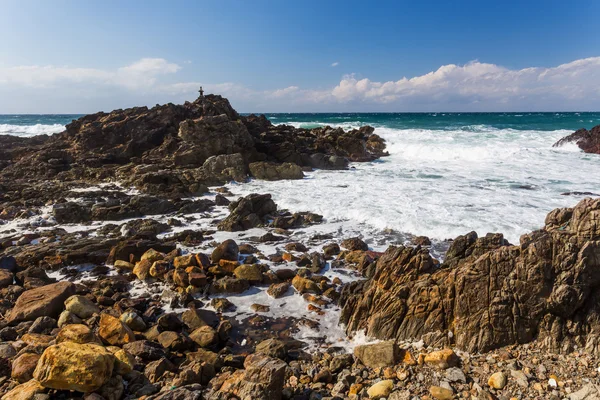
(248, 212)
(43, 301)
(588, 141)
(72, 366)
(489, 294)
(225, 167)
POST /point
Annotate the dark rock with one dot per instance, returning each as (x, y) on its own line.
(588, 141)
(248, 212)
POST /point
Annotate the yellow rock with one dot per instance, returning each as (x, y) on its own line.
(304, 285)
(26, 391)
(124, 362)
(441, 393)
(72, 366)
(114, 332)
(152, 255)
(445, 358)
(355, 388)
(77, 333)
(122, 264)
(497, 380)
(184, 261)
(381, 389)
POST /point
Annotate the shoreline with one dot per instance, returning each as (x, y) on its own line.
(163, 293)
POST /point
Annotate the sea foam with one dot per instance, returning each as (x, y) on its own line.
(30, 130)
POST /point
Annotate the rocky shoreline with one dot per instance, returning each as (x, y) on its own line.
(127, 270)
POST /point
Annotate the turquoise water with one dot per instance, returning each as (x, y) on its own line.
(447, 121)
(32, 124)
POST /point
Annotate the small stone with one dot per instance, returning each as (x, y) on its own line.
(497, 380)
(381, 389)
(443, 359)
(440, 393)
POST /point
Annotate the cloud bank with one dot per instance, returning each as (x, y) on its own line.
(475, 86)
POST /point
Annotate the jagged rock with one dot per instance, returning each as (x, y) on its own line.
(113, 331)
(588, 141)
(248, 212)
(274, 172)
(72, 366)
(262, 379)
(272, 348)
(43, 301)
(552, 278)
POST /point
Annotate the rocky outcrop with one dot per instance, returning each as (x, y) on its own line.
(170, 150)
(490, 294)
(588, 141)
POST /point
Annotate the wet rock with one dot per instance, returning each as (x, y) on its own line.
(355, 244)
(228, 250)
(44, 301)
(588, 141)
(248, 212)
(73, 366)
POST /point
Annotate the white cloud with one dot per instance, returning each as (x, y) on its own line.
(474, 86)
(335, 64)
(478, 82)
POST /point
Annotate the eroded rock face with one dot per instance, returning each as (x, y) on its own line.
(490, 294)
(588, 141)
(275, 172)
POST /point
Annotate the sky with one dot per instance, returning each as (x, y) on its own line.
(65, 56)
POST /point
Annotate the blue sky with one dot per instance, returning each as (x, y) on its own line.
(268, 56)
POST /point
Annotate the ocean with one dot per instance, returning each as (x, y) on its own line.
(447, 173)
